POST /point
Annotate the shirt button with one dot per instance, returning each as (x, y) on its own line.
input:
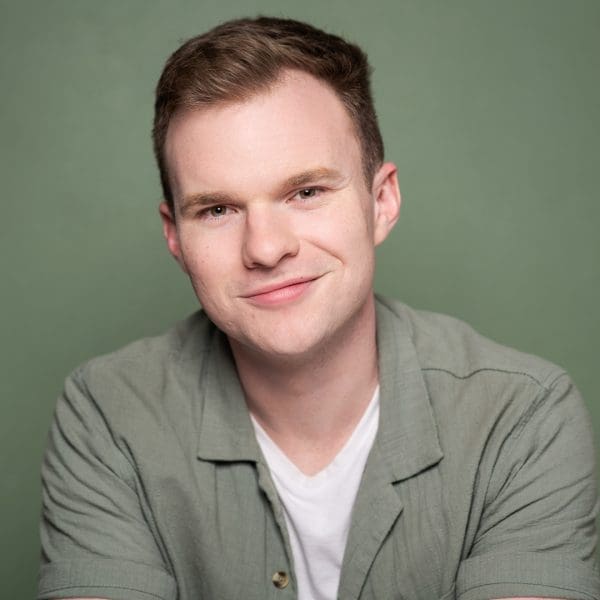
(280, 579)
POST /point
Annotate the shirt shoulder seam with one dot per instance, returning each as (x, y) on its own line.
(547, 386)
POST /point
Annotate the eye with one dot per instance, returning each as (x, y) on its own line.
(215, 212)
(308, 193)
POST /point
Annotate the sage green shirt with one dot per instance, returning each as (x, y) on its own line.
(480, 484)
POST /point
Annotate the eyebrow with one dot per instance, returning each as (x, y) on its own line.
(311, 176)
(320, 174)
(192, 201)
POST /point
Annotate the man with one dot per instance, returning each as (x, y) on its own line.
(299, 438)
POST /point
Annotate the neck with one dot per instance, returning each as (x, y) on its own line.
(309, 406)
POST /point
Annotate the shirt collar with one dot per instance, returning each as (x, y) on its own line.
(407, 438)
(225, 429)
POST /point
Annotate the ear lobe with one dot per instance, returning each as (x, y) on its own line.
(387, 200)
(169, 228)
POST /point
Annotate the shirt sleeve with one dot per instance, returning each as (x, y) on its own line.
(96, 541)
(537, 532)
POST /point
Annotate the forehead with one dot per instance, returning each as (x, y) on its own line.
(297, 124)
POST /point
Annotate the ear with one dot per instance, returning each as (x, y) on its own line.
(169, 228)
(387, 200)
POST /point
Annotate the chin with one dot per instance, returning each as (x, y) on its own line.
(287, 346)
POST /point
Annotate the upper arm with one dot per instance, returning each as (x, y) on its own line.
(96, 540)
(538, 525)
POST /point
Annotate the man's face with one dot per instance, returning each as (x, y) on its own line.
(274, 223)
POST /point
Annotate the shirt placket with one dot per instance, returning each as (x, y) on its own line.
(280, 577)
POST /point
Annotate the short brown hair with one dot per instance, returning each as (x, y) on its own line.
(243, 57)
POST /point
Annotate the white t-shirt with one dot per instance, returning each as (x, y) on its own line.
(317, 508)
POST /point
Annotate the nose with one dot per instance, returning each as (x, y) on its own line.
(268, 237)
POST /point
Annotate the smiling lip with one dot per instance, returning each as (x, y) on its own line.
(280, 293)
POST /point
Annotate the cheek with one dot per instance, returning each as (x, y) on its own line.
(340, 225)
(203, 262)
(358, 251)
(346, 235)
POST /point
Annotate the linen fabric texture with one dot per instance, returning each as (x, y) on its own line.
(480, 483)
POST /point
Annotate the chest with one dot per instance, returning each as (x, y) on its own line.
(223, 532)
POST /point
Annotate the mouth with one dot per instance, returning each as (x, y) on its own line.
(280, 292)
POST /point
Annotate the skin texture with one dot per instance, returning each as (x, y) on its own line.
(268, 231)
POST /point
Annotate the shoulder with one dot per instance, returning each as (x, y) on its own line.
(187, 339)
(143, 363)
(517, 475)
(448, 345)
(142, 390)
(485, 395)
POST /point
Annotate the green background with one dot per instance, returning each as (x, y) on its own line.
(491, 110)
